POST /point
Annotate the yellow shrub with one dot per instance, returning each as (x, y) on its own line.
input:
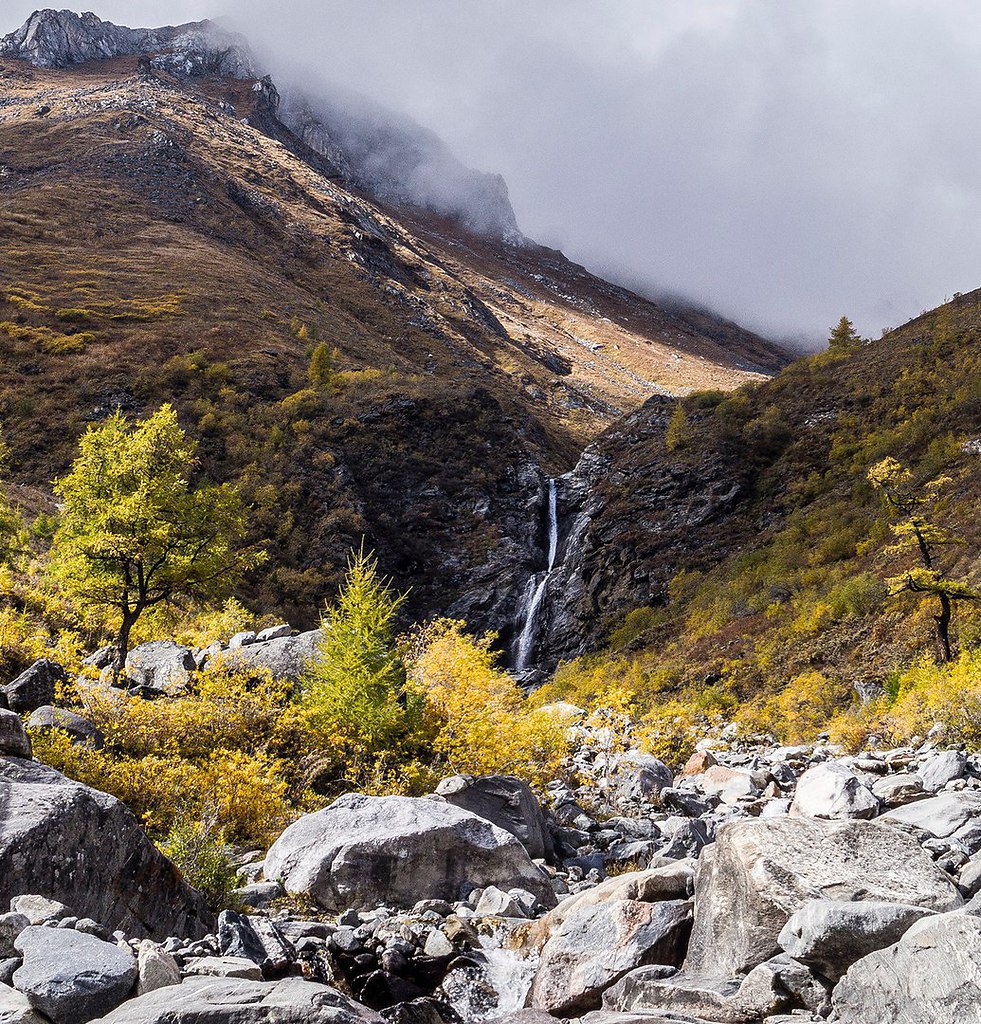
(478, 717)
(799, 712)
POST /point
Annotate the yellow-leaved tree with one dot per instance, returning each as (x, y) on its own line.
(135, 532)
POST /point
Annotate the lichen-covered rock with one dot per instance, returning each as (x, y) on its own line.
(932, 974)
(240, 1001)
(759, 872)
(72, 977)
(160, 667)
(69, 842)
(363, 851)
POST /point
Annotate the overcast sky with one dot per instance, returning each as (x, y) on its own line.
(783, 161)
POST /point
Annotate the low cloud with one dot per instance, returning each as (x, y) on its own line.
(782, 162)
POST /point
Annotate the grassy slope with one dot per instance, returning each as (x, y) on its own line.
(156, 248)
(789, 580)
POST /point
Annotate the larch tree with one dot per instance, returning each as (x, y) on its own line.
(915, 532)
(844, 337)
(135, 531)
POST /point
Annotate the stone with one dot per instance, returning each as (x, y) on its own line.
(363, 851)
(11, 925)
(830, 935)
(931, 975)
(639, 778)
(71, 977)
(85, 848)
(14, 741)
(596, 945)
(731, 785)
(941, 815)
(494, 902)
(274, 632)
(505, 801)
(156, 968)
(698, 763)
(80, 730)
(160, 667)
(198, 1000)
(243, 639)
(35, 687)
(39, 909)
(15, 1008)
(437, 944)
(941, 768)
(896, 790)
(833, 790)
(258, 895)
(761, 871)
(286, 657)
(238, 967)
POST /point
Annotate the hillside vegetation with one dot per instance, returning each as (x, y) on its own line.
(791, 607)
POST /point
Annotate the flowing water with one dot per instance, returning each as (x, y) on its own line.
(535, 591)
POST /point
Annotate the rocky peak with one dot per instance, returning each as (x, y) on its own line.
(58, 39)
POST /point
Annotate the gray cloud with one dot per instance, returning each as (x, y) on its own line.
(780, 160)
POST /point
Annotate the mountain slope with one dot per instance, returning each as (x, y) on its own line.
(742, 535)
(158, 247)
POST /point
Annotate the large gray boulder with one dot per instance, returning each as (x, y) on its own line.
(505, 801)
(14, 741)
(72, 977)
(596, 945)
(235, 1001)
(160, 667)
(760, 872)
(36, 686)
(941, 768)
(932, 975)
(830, 936)
(833, 790)
(66, 841)
(365, 850)
(639, 778)
(941, 815)
(286, 657)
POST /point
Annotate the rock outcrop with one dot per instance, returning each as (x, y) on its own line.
(75, 844)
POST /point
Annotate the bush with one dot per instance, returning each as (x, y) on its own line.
(200, 853)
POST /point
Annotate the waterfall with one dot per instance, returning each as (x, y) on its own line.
(535, 591)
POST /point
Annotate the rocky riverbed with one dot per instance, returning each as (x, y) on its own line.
(758, 884)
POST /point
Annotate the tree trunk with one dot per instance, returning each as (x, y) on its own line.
(943, 627)
(122, 641)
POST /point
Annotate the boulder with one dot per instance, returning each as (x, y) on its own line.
(72, 977)
(941, 768)
(932, 975)
(39, 909)
(160, 667)
(830, 936)
(639, 778)
(72, 843)
(761, 871)
(11, 925)
(596, 945)
(286, 657)
(15, 1008)
(896, 790)
(941, 815)
(731, 785)
(156, 967)
(504, 801)
(14, 741)
(239, 1001)
(238, 967)
(274, 632)
(363, 851)
(80, 730)
(35, 687)
(833, 790)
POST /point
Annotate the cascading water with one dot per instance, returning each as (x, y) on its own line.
(535, 591)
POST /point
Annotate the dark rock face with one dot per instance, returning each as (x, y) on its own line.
(71, 843)
(35, 687)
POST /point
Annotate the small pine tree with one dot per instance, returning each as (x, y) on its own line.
(844, 337)
(321, 372)
(354, 693)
